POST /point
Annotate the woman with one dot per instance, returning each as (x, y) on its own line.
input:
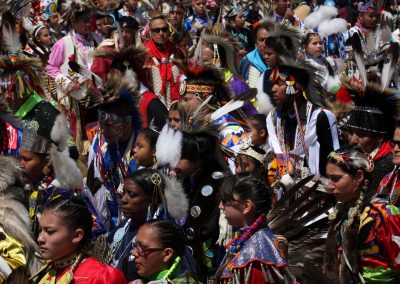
(46, 166)
(257, 255)
(158, 252)
(65, 231)
(362, 244)
(141, 201)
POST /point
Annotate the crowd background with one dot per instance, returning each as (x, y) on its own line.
(199, 141)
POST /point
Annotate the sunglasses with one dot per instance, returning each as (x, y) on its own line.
(142, 251)
(112, 118)
(158, 30)
(336, 178)
(395, 143)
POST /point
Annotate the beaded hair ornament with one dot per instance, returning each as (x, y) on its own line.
(292, 86)
(356, 161)
(246, 149)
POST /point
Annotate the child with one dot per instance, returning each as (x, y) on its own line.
(65, 231)
(144, 152)
(257, 130)
(245, 202)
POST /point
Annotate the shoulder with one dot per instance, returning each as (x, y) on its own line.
(93, 271)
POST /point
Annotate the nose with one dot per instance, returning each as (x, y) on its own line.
(353, 139)
(40, 239)
(135, 150)
(274, 89)
(221, 206)
(239, 170)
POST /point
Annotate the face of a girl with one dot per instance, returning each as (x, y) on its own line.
(343, 186)
(315, 46)
(233, 211)
(239, 21)
(143, 152)
(44, 37)
(149, 257)
(134, 201)
(56, 240)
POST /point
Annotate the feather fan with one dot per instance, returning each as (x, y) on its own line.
(11, 39)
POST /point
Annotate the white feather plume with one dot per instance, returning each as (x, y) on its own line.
(334, 26)
(169, 147)
(10, 38)
(177, 201)
(322, 14)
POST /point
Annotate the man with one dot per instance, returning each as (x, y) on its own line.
(104, 26)
(130, 9)
(390, 184)
(252, 65)
(75, 46)
(371, 126)
(129, 28)
(301, 133)
(164, 73)
(176, 17)
(110, 157)
(199, 19)
(284, 13)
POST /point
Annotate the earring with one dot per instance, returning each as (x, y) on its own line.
(154, 160)
(46, 170)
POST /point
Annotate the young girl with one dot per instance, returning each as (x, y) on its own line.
(158, 252)
(257, 256)
(144, 152)
(65, 231)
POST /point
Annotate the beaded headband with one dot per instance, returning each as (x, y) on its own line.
(292, 86)
(348, 161)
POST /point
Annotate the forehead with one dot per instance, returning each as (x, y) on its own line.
(146, 235)
(333, 169)
(198, 2)
(262, 33)
(158, 23)
(397, 134)
(50, 218)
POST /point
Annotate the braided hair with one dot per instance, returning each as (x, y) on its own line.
(247, 186)
(75, 215)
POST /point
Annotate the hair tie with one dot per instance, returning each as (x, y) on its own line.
(37, 30)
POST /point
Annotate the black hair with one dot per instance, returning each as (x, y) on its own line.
(142, 178)
(200, 147)
(259, 121)
(150, 135)
(75, 214)
(307, 39)
(358, 160)
(283, 45)
(169, 235)
(247, 186)
(157, 17)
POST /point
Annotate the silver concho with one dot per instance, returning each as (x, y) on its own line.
(207, 190)
(195, 211)
(190, 233)
(217, 175)
(182, 88)
(34, 125)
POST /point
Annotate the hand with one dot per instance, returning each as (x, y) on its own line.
(289, 14)
(73, 87)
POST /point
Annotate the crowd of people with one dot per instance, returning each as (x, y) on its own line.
(199, 141)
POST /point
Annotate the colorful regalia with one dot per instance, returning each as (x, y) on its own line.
(257, 256)
(390, 187)
(74, 269)
(364, 247)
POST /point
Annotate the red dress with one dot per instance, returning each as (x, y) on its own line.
(92, 271)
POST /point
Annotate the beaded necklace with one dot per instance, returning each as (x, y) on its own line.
(236, 244)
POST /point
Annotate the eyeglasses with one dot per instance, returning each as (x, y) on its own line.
(158, 30)
(336, 178)
(142, 251)
(112, 118)
(395, 143)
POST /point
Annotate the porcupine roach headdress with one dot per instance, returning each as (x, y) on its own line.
(375, 109)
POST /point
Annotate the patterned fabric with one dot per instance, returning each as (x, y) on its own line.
(379, 246)
(231, 134)
(390, 186)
